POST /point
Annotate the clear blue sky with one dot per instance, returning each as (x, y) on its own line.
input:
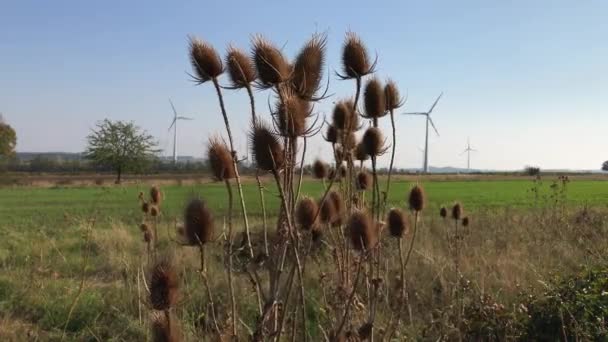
(526, 80)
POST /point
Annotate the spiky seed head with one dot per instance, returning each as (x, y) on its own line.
(327, 211)
(343, 171)
(206, 62)
(143, 227)
(147, 236)
(339, 154)
(220, 159)
(265, 147)
(364, 180)
(373, 99)
(161, 331)
(339, 207)
(392, 96)
(363, 234)
(465, 221)
(457, 211)
(291, 115)
(355, 60)
(272, 67)
(331, 135)
(140, 196)
(443, 212)
(198, 223)
(145, 207)
(373, 141)
(154, 210)
(361, 153)
(240, 68)
(332, 174)
(416, 199)
(365, 331)
(164, 285)
(308, 67)
(349, 141)
(397, 223)
(344, 116)
(306, 213)
(319, 169)
(156, 195)
(316, 234)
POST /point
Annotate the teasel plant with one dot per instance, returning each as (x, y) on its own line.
(208, 66)
(164, 294)
(393, 101)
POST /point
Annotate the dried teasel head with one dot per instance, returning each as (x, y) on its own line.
(362, 230)
(391, 96)
(443, 212)
(332, 174)
(316, 234)
(343, 171)
(319, 169)
(373, 141)
(272, 67)
(162, 331)
(145, 207)
(348, 141)
(416, 198)
(198, 223)
(340, 209)
(220, 159)
(156, 195)
(331, 135)
(164, 285)
(373, 100)
(306, 213)
(291, 114)
(355, 59)
(140, 196)
(266, 148)
(240, 68)
(457, 211)
(465, 221)
(364, 181)
(397, 223)
(327, 211)
(148, 236)
(308, 68)
(344, 116)
(361, 153)
(154, 210)
(206, 62)
(143, 227)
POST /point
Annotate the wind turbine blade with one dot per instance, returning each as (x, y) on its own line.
(173, 107)
(473, 150)
(172, 124)
(184, 118)
(434, 104)
(433, 125)
(463, 152)
(414, 113)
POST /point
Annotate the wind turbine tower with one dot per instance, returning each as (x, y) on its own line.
(468, 151)
(427, 116)
(176, 118)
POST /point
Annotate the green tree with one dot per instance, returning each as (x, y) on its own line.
(605, 166)
(121, 146)
(8, 139)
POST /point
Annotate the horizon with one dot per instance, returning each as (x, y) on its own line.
(523, 81)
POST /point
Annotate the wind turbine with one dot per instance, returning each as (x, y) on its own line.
(468, 151)
(174, 125)
(426, 139)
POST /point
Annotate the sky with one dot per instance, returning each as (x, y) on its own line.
(526, 81)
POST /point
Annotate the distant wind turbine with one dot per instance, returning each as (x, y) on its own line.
(468, 151)
(174, 126)
(426, 139)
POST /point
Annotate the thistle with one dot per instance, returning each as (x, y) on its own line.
(373, 142)
(272, 67)
(198, 223)
(364, 181)
(344, 116)
(154, 211)
(155, 195)
(220, 159)
(240, 68)
(443, 212)
(416, 199)
(290, 115)
(361, 153)
(355, 60)
(306, 213)
(206, 62)
(362, 231)
(456, 211)
(163, 286)
(308, 68)
(465, 221)
(319, 169)
(164, 331)
(145, 207)
(339, 208)
(374, 101)
(397, 223)
(331, 135)
(391, 96)
(327, 211)
(266, 149)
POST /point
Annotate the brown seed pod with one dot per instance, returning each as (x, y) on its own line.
(340, 209)
(265, 147)
(147, 236)
(205, 61)
(349, 142)
(343, 171)
(364, 181)
(198, 223)
(306, 213)
(457, 211)
(392, 96)
(319, 169)
(143, 227)
(145, 207)
(443, 212)
(220, 159)
(355, 60)
(156, 195)
(416, 199)
(344, 117)
(373, 141)
(397, 223)
(140, 196)
(291, 116)
(465, 221)
(339, 154)
(162, 332)
(240, 68)
(373, 99)
(361, 153)
(327, 211)
(272, 67)
(154, 211)
(164, 285)
(362, 231)
(308, 67)
(316, 234)
(331, 134)
(365, 331)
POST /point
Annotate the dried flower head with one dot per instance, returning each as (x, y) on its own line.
(143, 227)
(327, 211)
(361, 153)
(338, 204)
(308, 68)
(162, 331)
(290, 115)
(266, 148)
(220, 159)
(205, 61)
(457, 211)
(155, 195)
(145, 207)
(331, 134)
(140, 196)
(306, 213)
(198, 223)
(443, 212)
(154, 210)
(272, 67)
(319, 169)
(344, 116)
(363, 233)
(355, 60)
(364, 180)
(397, 222)
(240, 68)
(164, 285)
(373, 99)
(416, 199)
(316, 234)
(148, 236)
(349, 141)
(343, 171)
(392, 96)
(373, 141)
(465, 221)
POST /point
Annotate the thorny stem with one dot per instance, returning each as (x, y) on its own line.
(402, 268)
(234, 162)
(301, 171)
(168, 320)
(390, 169)
(409, 252)
(351, 297)
(230, 282)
